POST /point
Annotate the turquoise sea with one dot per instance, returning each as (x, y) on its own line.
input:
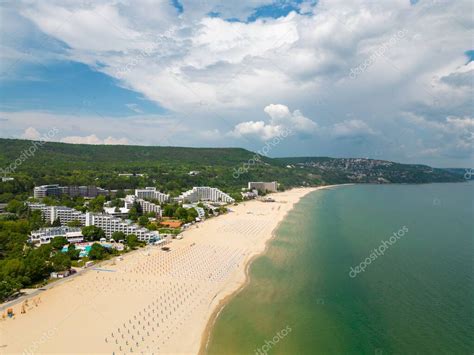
(414, 298)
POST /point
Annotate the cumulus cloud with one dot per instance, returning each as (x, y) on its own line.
(93, 139)
(31, 133)
(281, 120)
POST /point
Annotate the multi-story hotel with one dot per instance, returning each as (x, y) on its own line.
(152, 194)
(145, 205)
(44, 235)
(46, 190)
(263, 186)
(56, 190)
(52, 213)
(149, 207)
(205, 193)
(109, 224)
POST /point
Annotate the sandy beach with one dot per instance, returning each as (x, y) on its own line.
(152, 301)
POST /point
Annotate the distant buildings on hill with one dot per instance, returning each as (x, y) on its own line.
(263, 186)
(132, 175)
(73, 191)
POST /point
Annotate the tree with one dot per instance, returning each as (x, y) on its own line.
(92, 233)
(58, 242)
(132, 241)
(17, 207)
(97, 204)
(97, 252)
(61, 261)
(181, 213)
(37, 266)
(151, 226)
(117, 203)
(74, 223)
(192, 214)
(72, 252)
(169, 210)
(143, 221)
(56, 223)
(8, 287)
(118, 236)
(135, 211)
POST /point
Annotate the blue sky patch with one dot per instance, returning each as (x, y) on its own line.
(69, 88)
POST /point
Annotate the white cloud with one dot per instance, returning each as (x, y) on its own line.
(31, 133)
(257, 128)
(93, 139)
(281, 120)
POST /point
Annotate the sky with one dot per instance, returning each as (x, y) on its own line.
(376, 79)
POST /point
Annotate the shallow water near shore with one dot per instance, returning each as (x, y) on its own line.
(416, 297)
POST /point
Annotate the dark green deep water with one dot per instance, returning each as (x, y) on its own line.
(417, 298)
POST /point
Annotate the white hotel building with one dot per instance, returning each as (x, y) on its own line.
(205, 193)
(152, 194)
(109, 224)
(65, 214)
(145, 205)
(45, 235)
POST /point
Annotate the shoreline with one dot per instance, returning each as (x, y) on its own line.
(207, 332)
(171, 299)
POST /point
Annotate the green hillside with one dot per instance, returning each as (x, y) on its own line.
(168, 168)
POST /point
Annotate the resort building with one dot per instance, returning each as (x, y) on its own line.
(46, 190)
(109, 224)
(149, 207)
(151, 193)
(205, 193)
(52, 213)
(200, 211)
(73, 191)
(263, 186)
(45, 235)
(117, 211)
(145, 205)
